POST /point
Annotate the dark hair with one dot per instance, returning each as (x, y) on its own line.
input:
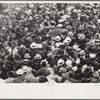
(10, 74)
(64, 77)
(42, 79)
(71, 74)
(43, 64)
(44, 38)
(10, 58)
(47, 48)
(35, 73)
(56, 70)
(83, 80)
(5, 69)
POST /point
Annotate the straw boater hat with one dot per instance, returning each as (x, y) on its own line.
(78, 61)
(33, 45)
(81, 36)
(25, 69)
(39, 46)
(60, 62)
(98, 20)
(64, 16)
(19, 72)
(58, 38)
(68, 62)
(58, 44)
(44, 61)
(98, 70)
(70, 33)
(59, 25)
(37, 56)
(76, 47)
(82, 52)
(67, 40)
(74, 68)
(92, 55)
(27, 56)
(61, 20)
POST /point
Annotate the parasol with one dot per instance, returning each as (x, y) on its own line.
(55, 32)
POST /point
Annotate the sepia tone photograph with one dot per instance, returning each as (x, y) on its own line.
(49, 42)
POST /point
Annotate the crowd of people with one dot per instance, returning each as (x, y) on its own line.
(29, 53)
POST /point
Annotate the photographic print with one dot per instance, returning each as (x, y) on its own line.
(49, 42)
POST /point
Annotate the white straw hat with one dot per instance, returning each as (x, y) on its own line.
(19, 72)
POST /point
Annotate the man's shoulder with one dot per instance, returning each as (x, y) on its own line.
(9, 80)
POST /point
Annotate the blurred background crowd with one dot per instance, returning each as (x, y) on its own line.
(50, 43)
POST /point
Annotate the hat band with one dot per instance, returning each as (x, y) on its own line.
(61, 63)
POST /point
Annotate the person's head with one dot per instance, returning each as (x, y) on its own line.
(83, 80)
(13, 45)
(17, 66)
(37, 57)
(19, 72)
(10, 58)
(5, 70)
(2, 50)
(56, 69)
(60, 62)
(42, 79)
(17, 57)
(47, 48)
(27, 56)
(71, 74)
(43, 64)
(10, 74)
(64, 77)
(26, 70)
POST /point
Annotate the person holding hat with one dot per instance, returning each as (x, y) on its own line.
(37, 56)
